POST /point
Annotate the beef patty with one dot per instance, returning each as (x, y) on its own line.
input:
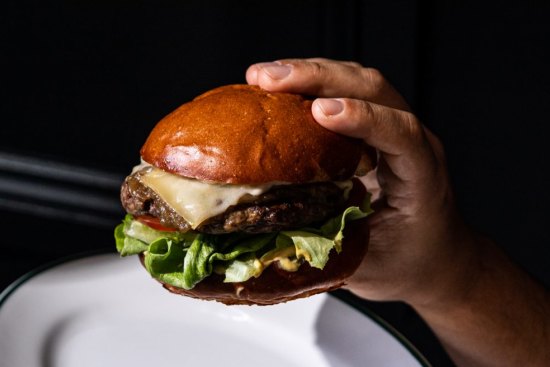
(282, 207)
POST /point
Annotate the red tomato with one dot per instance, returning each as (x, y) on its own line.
(154, 223)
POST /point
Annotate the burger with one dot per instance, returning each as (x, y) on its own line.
(241, 197)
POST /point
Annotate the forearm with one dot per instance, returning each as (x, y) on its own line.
(500, 318)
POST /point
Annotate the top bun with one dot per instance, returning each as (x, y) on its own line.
(242, 134)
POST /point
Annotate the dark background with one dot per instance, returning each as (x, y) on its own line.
(83, 82)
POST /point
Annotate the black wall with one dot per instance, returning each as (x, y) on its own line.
(484, 88)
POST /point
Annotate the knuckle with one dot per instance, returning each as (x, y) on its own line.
(374, 81)
(353, 64)
(373, 77)
(366, 111)
(413, 127)
(317, 69)
(318, 73)
(319, 59)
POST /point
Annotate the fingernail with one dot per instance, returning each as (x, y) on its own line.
(276, 71)
(253, 75)
(330, 107)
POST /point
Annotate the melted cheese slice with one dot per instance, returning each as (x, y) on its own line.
(197, 201)
(194, 200)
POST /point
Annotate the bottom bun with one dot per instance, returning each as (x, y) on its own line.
(276, 285)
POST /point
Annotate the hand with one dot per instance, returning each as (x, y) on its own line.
(483, 308)
(416, 234)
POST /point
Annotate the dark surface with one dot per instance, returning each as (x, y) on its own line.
(82, 83)
(486, 93)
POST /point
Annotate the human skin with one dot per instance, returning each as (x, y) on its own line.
(483, 308)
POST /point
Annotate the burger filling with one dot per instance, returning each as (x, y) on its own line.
(233, 230)
(263, 209)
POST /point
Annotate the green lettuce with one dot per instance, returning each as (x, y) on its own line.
(243, 269)
(133, 237)
(311, 247)
(185, 259)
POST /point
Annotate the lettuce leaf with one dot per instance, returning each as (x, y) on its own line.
(185, 259)
(196, 265)
(133, 237)
(127, 245)
(315, 245)
(202, 254)
(164, 261)
(334, 228)
(311, 247)
(243, 269)
(165, 256)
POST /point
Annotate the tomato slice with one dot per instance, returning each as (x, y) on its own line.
(154, 223)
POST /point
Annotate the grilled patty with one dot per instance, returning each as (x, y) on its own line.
(282, 207)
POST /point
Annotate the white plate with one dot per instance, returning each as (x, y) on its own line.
(106, 311)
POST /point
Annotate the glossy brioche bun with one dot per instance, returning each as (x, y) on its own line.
(241, 134)
(275, 285)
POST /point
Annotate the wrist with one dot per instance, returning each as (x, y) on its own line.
(454, 273)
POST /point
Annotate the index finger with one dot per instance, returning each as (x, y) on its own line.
(326, 78)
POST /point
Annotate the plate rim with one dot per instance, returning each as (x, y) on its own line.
(355, 303)
(344, 297)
